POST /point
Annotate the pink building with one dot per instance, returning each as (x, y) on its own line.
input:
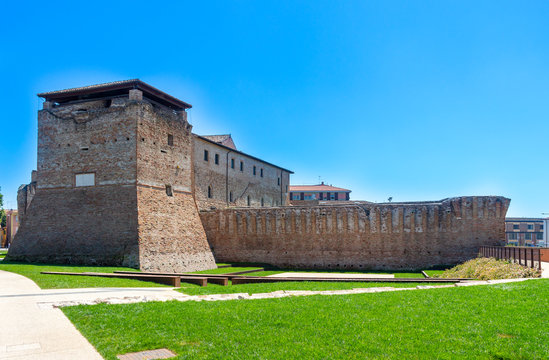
(319, 192)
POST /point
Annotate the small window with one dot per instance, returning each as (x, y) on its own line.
(539, 236)
(528, 236)
(169, 190)
(254, 171)
(205, 155)
(232, 163)
(170, 139)
(242, 166)
(209, 192)
(530, 227)
(216, 159)
(278, 183)
(515, 226)
(512, 236)
(248, 200)
(541, 227)
(261, 172)
(84, 180)
(231, 196)
(262, 202)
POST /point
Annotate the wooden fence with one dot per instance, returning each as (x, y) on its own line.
(527, 256)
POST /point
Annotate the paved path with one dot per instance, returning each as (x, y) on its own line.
(28, 332)
(545, 269)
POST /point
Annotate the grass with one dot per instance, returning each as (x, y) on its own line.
(32, 271)
(225, 270)
(257, 288)
(504, 321)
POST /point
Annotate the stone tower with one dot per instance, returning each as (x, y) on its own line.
(114, 182)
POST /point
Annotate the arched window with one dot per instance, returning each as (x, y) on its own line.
(248, 200)
(209, 192)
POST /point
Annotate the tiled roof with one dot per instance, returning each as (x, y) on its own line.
(224, 139)
(114, 88)
(313, 188)
(90, 87)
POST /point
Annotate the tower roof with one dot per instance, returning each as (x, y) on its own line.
(113, 89)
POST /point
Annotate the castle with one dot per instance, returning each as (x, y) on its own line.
(122, 180)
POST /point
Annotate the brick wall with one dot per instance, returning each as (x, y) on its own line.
(127, 217)
(364, 236)
(171, 236)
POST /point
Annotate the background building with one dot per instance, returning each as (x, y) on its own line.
(526, 231)
(315, 193)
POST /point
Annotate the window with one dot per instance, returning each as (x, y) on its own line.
(261, 172)
(512, 236)
(84, 179)
(530, 227)
(170, 139)
(242, 166)
(169, 190)
(248, 200)
(541, 227)
(231, 196)
(216, 159)
(262, 202)
(278, 183)
(209, 192)
(232, 163)
(295, 197)
(528, 236)
(254, 170)
(515, 226)
(539, 236)
(205, 155)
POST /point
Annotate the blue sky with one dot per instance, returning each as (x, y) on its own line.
(417, 100)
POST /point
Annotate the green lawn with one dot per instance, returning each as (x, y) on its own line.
(506, 321)
(258, 288)
(32, 271)
(227, 270)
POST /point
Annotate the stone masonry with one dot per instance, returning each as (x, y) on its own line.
(110, 189)
(360, 235)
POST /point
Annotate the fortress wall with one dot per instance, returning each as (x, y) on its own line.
(171, 236)
(359, 236)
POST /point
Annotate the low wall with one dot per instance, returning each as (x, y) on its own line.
(358, 236)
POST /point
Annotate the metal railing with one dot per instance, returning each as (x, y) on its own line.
(527, 256)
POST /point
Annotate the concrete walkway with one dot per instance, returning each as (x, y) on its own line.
(29, 332)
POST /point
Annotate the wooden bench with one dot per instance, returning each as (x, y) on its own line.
(220, 279)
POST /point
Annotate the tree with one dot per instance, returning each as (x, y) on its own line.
(2, 211)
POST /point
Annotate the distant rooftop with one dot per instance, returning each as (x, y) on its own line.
(524, 219)
(225, 139)
(114, 89)
(313, 188)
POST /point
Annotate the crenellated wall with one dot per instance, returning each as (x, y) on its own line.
(359, 236)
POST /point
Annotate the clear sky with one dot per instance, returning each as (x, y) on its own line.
(417, 100)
